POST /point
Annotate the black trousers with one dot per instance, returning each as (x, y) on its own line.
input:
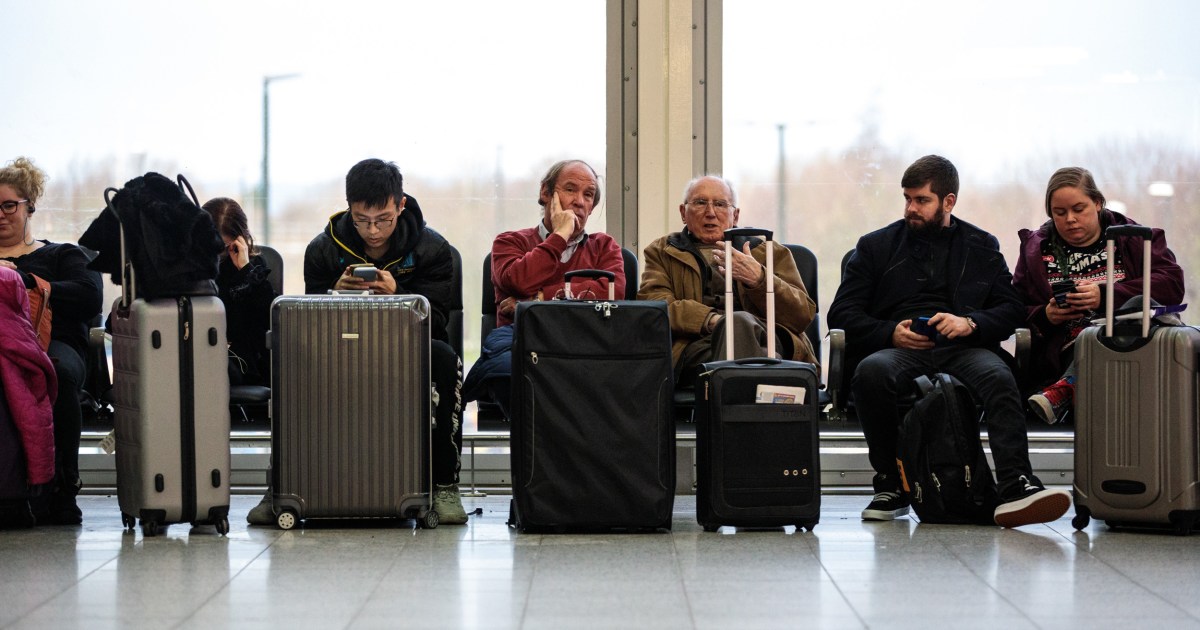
(447, 377)
(887, 375)
(68, 417)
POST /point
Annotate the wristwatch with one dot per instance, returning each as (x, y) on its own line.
(971, 323)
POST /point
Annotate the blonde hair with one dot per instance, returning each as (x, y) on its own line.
(28, 180)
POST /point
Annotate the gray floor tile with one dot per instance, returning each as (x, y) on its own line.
(846, 574)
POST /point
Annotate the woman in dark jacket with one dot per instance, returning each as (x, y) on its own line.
(76, 295)
(1060, 275)
(247, 294)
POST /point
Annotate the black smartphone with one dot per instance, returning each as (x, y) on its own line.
(1060, 290)
(366, 272)
(921, 326)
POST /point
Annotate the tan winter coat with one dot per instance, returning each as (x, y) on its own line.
(673, 274)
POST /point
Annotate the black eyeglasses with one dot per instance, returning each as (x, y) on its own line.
(382, 224)
(10, 207)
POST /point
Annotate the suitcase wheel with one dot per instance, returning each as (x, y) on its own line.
(223, 526)
(287, 519)
(128, 522)
(150, 529)
(1183, 523)
(431, 519)
(1082, 517)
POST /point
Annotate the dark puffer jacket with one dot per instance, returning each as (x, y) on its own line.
(418, 258)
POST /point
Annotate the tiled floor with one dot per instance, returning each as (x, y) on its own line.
(846, 574)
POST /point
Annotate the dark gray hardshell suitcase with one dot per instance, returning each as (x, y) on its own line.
(757, 464)
(1137, 421)
(171, 412)
(588, 455)
(350, 408)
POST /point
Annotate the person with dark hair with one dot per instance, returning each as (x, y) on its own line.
(528, 264)
(246, 291)
(935, 265)
(76, 295)
(384, 227)
(1060, 276)
(686, 269)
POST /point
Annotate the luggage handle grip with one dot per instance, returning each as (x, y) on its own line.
(595, 274)
(758, 361)
(747, 231)
(1128, 230)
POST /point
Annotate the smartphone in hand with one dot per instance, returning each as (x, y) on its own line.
(921, 326)
(366, 272)
(1060, 290)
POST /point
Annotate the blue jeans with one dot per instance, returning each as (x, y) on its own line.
(887, 375)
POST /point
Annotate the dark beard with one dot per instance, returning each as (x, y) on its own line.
(927, 229)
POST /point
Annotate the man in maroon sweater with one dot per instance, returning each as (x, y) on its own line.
(529, 264)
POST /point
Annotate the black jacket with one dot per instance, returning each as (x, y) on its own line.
(882, 274)
(418, 258)
(76, 293)
(247, 294)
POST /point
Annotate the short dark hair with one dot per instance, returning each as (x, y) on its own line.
(374, 182)
(1074, 177)
(550, 179)
(934, 170)
(230, 219)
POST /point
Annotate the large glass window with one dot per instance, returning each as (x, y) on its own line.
(473, 100)
(826, 104)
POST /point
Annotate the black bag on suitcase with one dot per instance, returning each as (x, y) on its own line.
(757, 464)
(585, 455)
(943, 469)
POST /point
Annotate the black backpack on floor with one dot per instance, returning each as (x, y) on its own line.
(943, 470)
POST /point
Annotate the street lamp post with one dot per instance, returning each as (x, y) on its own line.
(266, 159)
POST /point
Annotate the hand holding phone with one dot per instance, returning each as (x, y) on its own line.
(921, 326)
(1060, 290)
(366, 273)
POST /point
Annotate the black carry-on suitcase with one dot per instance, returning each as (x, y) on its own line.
(587, 455)
(1137, 424)
(757, 444)
(350, 408)
(171, 405)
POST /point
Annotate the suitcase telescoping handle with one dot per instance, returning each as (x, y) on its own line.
(729, 235)
(1111, 235)
(127, 289)
(590, 273)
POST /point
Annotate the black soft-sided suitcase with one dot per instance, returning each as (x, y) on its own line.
(350, 409)
(593, 432)
(757, 464)
(1137, 421)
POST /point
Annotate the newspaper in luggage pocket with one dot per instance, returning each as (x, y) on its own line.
(779, 395)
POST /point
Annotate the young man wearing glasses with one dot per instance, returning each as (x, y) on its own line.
(384, 227)
(687, 270)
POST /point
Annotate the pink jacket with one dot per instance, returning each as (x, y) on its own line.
(29, 379)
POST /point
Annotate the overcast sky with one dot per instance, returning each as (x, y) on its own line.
(448, 89)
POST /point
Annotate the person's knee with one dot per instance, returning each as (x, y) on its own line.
(873, 372)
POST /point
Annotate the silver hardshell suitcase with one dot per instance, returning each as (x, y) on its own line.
(1137, 421)
(171, 402)
(350, 408)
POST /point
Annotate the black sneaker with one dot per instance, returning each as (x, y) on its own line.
(886, 506)
(1033, 504)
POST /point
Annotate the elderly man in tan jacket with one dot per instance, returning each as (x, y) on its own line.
(687, 270)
